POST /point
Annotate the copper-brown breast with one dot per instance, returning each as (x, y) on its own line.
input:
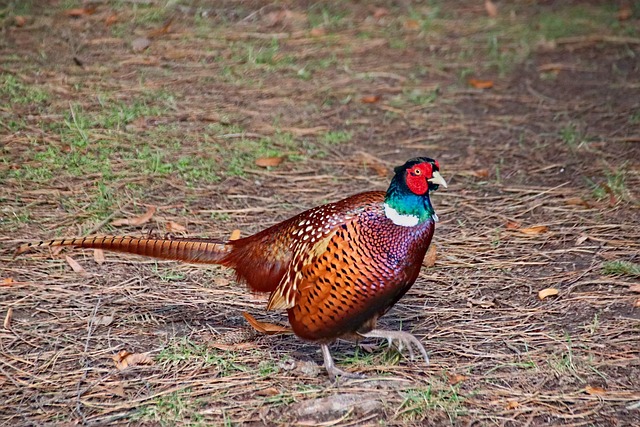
(367, 265)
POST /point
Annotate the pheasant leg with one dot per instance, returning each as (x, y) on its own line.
(332, 370)
(404, 339)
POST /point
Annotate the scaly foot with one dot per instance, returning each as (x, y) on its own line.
(404, 339)
(334, 372)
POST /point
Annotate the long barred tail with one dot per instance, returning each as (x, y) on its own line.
(206, 251)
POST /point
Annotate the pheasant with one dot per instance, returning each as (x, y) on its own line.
(335, 268)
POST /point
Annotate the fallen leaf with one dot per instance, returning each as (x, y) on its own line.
(380, 12)
(162, 30)
(137, 220)
(125, 359)
(456, 378)
(482, 302)
(7, 318)
(512, 225)
(547, 293)
(512, 404)
(19, 21)
(75, 266)
(174, 227)
(577, 201)
(264, 327)
(491, 8)
(117, 390)
(371, 99)
(265, 162)
(625, 12)
(7, 281)
(234, 347)
(98, 256)
(634, 288)
(81, 11)
(270, 391)
(480, 84)
(430, 257)
(536, 229)
(103, 320)
(598, 391)
(235, 234)
(480, 173)
(317, 32)
(140, 44)
(580, 240)
(637, 303)
(411, 24)
(111, 19)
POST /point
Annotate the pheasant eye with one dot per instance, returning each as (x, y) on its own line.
(417, 172)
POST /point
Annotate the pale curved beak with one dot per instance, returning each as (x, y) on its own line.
(438, 179)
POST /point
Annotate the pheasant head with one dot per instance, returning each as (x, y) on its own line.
(407, 201)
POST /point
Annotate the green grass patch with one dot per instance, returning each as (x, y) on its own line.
(419, 403)
(172, 409)
(184, 351)
(621, 268)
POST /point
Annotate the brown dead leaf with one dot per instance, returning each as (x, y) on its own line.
(7, 318)
(480, 84)
(512, 225)
(317, 32)
(136, 220)
(75, 266)
(111, 19)
(580, 240)
(234, 347)
(536, 229)
(411, 24)
(491, 8)
(370, 99)
(634, 288)
(125, 359)
(80, 11)
(380, 12)
(264, 327)
(637, 303)
(174, 227)
(547, 293)
(625, 12)
(19, 21)
(266, 162)
(270, 391)
(480, 173)
(430, 257)
(235, 234)
(160, 31)
(512, 404)
(98, 256)
(372, 162)
(577, 201)
(456, 378)
(7, 281)
(598, 391)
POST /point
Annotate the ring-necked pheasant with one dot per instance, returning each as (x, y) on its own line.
(336, 268)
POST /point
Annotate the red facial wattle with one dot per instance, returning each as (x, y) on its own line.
(417, 176)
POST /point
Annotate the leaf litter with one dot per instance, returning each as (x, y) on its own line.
(476, 308)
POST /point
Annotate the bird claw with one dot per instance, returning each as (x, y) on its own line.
(403, 339)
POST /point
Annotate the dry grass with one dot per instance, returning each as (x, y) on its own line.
(553, 144)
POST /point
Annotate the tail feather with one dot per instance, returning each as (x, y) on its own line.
(205, 251)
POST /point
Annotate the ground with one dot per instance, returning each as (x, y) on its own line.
(237, 115)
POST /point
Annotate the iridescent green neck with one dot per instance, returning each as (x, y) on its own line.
(405, 208)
